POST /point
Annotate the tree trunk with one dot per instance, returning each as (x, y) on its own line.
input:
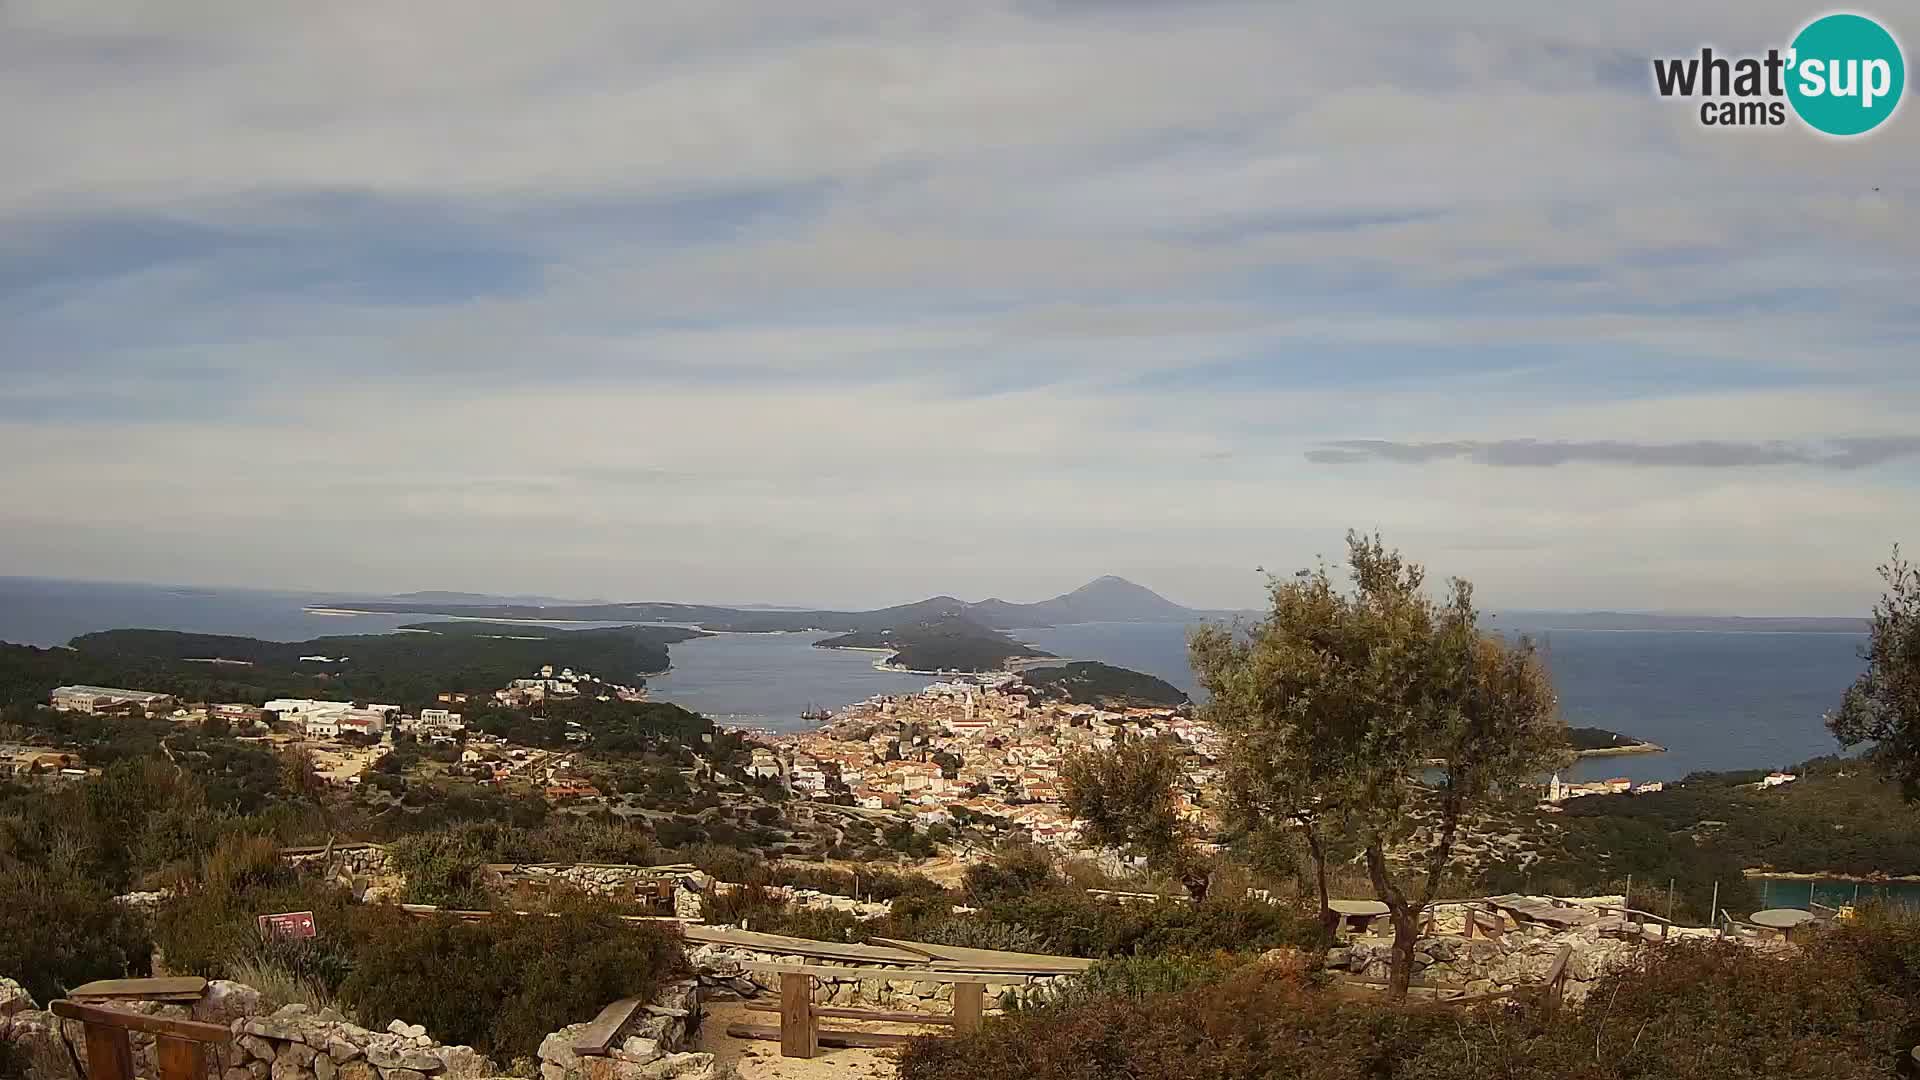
(1328, 920)
(1404, 916)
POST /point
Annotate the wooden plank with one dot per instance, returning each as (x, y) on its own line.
(597, 1037)
(878, 1016)
(140, 989)
(953, 958)
(180, 1059)
(799, 1036)
(828, 1037)
(969, 1005)
(897, 974)
(818, 950)
(109, 1052)
(152, 1025)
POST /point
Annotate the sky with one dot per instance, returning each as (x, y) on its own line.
(849, 303)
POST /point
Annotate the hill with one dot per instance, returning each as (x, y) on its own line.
(943, 643)
(1088, 683)
(1105, 599)
(403, 668)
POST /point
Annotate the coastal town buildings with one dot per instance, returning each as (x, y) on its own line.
(98, 699)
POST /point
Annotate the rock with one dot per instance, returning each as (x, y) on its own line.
(640, 1049)
(550, 1071)
(289, 1069)
(679, 1067)
(1288, 960)
(358, 1069)
(14, 998)
(1423, 959)
(341, 1050)
(325, 1068)
(558, 1047)
(390, 1052)
(269, 1028)
(298, 1054)
(255, 1045)
(406, 1030)
(464, 1063)
(238, 1072)
(404, 1074)
(744, 987)
(223, 1002)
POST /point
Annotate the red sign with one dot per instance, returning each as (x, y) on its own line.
(293, 924)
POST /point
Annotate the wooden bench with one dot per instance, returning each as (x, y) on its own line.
(800, 1034)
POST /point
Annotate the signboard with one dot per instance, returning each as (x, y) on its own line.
(292, 924)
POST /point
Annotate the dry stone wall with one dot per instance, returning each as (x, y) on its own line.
(723, 967)
(298, 1043)
(647, 1047)
(359, 860)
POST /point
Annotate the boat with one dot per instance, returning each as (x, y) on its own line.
(812, 712)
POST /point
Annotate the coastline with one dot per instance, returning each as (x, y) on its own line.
(1799, 875)
(1617, 751)
(458, 618)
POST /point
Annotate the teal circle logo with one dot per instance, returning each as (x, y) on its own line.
(1846, 75)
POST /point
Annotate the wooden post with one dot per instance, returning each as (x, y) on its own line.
(180, 1059)
(109, 1053)
(969, 1006)
(799, 1037)
(1713, 909)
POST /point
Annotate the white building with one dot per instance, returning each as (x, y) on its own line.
(440, 720)
(93, 698)
(323, 725)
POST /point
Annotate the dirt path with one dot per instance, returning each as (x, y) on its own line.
(757, 1060)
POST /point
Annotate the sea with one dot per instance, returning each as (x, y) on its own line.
(1716, 701)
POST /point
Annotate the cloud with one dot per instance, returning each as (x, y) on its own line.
(1840, 453)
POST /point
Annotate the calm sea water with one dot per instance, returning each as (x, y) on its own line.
(1715, 700)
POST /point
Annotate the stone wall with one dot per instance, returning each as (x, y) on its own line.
(647, 1047)
(298, 1043)
(1519, 958)
(357, 859)
(723, 967)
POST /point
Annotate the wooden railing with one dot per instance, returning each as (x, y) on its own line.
(800, 1034)
(179, 1045)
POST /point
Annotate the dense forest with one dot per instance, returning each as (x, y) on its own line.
(949, 643)
(1089, 683)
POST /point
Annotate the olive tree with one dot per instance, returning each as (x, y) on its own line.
(1882, 707)
(1126, 797)
(1380, 714)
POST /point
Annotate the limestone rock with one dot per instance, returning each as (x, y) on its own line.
(557, 1048)
(324, 1068)
(406, 1030)
(255, 1045)
(550, 1071)
(14, 998)
(298, 1054)
(404, 1074)
(342, 1050)
(358, 1069)
(641, 1048)
(679, 1067)
(238, 1072)
(463, 1063)
(288, 1068)
(224, 1002)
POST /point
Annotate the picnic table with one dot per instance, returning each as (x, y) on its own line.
(1782, 920)
(1357, 915)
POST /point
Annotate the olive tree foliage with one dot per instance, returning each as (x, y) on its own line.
(1337, 703)
(1882, 707)
(1127, 798)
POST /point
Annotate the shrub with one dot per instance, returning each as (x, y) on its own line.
(1720, 1011)
(444, 868)
(1015, 871)
(502, 984)
(1071, 922)
(58, 931)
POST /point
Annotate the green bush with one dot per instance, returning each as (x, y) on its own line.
(1016, 871)
(502, 984)
(445, 868)
(1696, 1011)
(58, 931)
(1068, 921)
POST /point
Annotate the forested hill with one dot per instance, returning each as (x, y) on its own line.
(406, 668)
(1089, 683)
(951, 643)
(1105, 599)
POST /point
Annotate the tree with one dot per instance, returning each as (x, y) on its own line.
(1882, 707)
(1126, 796)
(1337, 702)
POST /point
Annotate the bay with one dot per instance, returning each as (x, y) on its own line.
(1715, 700)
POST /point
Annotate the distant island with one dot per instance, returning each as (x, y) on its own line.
(1086, 682)
(1104, 599)
(950, 643)
(1599, 742)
